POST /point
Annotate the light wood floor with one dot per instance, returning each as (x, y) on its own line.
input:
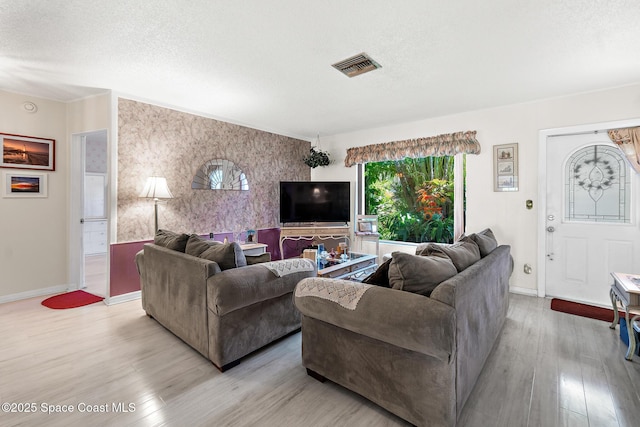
(547, 369)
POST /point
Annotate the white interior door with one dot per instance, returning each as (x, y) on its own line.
(94, 236)
(88, 219)
(591, 217)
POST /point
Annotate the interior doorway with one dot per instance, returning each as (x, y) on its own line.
(89, 198)
(589, 219)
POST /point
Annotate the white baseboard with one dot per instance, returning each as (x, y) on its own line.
(118, 299)
(35, 293)
(523, 291)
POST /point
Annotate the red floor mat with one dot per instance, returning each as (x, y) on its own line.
(71, 300)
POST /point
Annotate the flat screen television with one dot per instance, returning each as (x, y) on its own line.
(315, 201)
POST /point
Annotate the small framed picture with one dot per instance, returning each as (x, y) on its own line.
(26, 185)
(27, 152)
(505, 167)
(364, 227)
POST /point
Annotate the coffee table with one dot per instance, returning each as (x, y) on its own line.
(356, 267)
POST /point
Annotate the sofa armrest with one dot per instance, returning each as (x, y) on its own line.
(173, 286)
(407, 320)
(236, 288)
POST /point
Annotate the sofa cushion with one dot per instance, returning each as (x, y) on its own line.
(171, 240)
(380, 277)
(463, 253)
(419, 274)
(485, 240)
(258, 259)
(227, 255)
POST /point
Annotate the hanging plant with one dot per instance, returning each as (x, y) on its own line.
(316, 158)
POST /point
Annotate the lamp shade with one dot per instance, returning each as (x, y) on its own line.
(156, 188)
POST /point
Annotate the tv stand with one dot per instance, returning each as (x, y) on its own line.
(312, 232)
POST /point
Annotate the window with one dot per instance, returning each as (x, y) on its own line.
(597, 185)
(414, 199)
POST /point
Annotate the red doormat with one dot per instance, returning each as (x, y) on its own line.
(584, 310)
(71, 300)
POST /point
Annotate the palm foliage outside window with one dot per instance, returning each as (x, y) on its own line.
(413, 198)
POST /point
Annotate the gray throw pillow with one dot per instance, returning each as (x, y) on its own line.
(430, 248)
(463, 253)
(196, 245)
(485, 240)
(419, 274)
(380, 277)
(171, 240)
(421, 249)
(227, 255)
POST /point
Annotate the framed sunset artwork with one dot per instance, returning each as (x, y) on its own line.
(24, 184)
(27, 152)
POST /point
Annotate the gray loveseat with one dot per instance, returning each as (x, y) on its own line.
(417, 354)
(224, 309)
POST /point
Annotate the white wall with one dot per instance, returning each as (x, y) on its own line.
(90, 114)
(504, 213)
(33, 232)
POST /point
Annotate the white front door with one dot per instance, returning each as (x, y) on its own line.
(591, 217)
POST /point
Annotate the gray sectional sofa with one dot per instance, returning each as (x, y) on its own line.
(205, 293)
(415, 343)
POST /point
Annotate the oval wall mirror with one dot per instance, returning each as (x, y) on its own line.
(219, 174)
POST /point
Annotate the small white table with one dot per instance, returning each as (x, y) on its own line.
(253, 248)
(625, 293)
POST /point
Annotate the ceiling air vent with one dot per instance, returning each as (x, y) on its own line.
(356, 65)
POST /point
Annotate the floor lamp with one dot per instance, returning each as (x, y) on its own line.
(156, 188)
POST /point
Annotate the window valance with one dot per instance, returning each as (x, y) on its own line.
(442, 145)
(628, 140)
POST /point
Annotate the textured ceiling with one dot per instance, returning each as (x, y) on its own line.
(267, 64)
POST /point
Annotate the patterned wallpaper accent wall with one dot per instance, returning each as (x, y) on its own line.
(156, 141)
